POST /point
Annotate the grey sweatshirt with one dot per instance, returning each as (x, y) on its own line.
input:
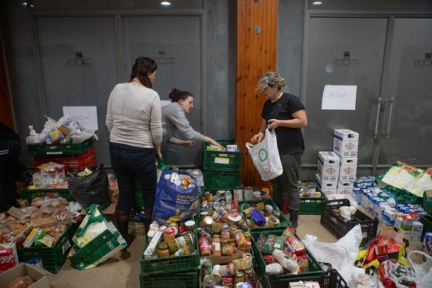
(134, 116)
(173, 120)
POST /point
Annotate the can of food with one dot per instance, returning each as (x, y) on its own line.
(207, 266)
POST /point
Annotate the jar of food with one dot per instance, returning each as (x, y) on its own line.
(169, 234)
(248, 235)
(224, 244)
(163, 251)
(216, 246)
(227, 249)
(173, 246)
(232, 231)
(253, 280)
(190, 225)
(225, 234)
(227, 282)
(216, 228)
(209, 281)
(228, 197)
(248, 193)
(238, 194)
(208, 221)
(232, 242)
(240, 240)
(247, 272)
(204, 246)
(175, 226)
(239, 277)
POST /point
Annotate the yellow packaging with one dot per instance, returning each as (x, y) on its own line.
(374, 263)
(31, 238)
(260, 206)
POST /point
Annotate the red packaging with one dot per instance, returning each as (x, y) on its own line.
(234, 205)
(296, 245)
(8, 256)
(381, 247)
(371, 254)
(268, 258)
(303, 262)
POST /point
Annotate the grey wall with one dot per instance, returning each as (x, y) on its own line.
(290, 43)
(24, 71)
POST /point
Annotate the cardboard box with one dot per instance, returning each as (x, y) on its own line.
(345, 187)
(328, 166)
(38, 275)
(348, 169)
(328, 158)
(325, 184)
(345, 142)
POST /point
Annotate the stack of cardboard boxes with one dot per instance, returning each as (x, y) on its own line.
(337, 169)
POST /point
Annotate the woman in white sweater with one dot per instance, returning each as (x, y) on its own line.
(174, 120)
(134, 121)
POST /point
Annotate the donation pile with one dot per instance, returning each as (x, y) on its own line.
(62, 131)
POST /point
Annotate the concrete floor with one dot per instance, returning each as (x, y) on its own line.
(123, 269)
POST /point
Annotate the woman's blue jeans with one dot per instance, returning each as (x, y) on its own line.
(133, 163)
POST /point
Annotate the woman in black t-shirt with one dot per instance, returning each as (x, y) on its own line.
(286, 114)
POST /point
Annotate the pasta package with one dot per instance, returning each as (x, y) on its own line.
(296, 245)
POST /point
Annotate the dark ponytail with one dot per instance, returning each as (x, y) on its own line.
(142, 67)
(176, 95)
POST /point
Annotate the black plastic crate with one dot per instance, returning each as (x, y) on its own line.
(170, 280)
(339, 227)
(332, 279)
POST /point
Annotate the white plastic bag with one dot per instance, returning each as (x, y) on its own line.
(265, 156)
(423, 270)
(341, 254)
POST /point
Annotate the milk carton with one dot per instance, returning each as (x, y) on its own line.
(417, 231)
(326, 187)
(348, 169)
(345, 142)
(328, 166)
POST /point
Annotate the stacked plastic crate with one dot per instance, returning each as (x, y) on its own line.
(222, 169)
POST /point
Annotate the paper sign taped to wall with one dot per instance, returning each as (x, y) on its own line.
(339, 97)
(86, 116)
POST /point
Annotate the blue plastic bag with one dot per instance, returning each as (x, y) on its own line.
(174, 203)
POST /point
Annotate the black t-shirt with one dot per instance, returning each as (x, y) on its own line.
(290, 140)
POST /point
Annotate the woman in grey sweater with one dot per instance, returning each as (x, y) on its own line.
(174, 119)
(135, 125)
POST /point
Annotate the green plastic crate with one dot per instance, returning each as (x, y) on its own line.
(222, 161)
(426, 220)
(427, 202)
(283, 221)
(315, 269)
(33, 193)
(221, 180)
(171, 264)
(175, 280)
(59, 149)
(54, 257)
(311, 205)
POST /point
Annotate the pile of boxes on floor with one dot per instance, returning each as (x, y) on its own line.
(380, 204)
(337, 169)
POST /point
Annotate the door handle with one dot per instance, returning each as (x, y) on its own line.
(390, 117)
(377, 117)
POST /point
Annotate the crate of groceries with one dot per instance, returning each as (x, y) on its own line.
(339, 217)
(282, 258)
(311, 198)
(217, 159)
(263, 215)
(59, 149)
(170, 248)
(50, 243)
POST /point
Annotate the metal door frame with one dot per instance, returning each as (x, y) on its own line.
(390, 15)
